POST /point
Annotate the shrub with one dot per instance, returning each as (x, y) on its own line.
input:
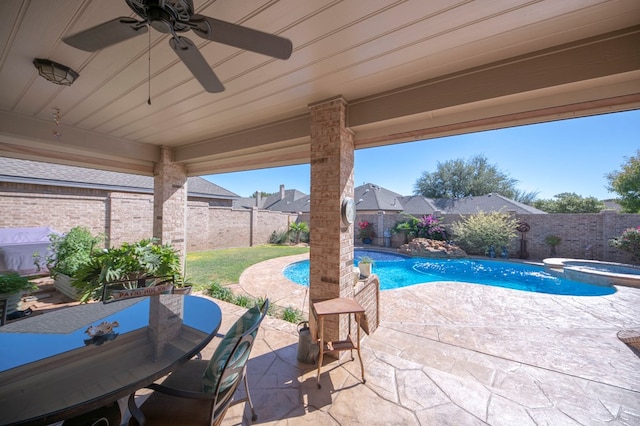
(242, 300)
(220, 292)
(552, 240)
(477, 233)
(12, 282)
(279, 237)
(365, 230)
(71, 251)
(292, 315)
(629, 241)
(428, 226)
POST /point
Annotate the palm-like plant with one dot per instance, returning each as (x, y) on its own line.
(297, 228)
(128, 262)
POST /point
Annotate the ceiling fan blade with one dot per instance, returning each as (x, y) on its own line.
(106, 34)
(242, 37)
(193, 59)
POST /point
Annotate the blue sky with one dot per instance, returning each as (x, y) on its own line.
(563, 156)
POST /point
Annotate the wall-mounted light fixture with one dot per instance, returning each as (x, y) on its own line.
(55, 72)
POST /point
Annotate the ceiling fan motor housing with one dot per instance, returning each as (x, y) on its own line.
(166, 16)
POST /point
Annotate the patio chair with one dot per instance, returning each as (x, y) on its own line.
(109, 415)
(200, 392)
(3, 311)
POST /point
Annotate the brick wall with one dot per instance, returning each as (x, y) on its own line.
(584, 236)
(197, 225)
(128, 217)
(26, 205)
(268, 221)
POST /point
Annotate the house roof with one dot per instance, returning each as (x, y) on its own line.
(37, 173)
(486, 203)
(287, 200)
(373, 197)
(244, 203)
(418, 205)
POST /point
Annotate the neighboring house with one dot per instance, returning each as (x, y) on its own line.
(612, 205)
(371, 198)
(485, 203)
(289, 200)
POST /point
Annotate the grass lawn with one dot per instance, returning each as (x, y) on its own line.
(225, 266)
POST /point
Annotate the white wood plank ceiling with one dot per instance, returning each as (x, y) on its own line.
(408, 69)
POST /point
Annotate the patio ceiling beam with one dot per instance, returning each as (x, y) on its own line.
(591, 76)
(32, 137)
(277, 132)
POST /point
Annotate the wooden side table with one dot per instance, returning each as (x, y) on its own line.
(338, 306)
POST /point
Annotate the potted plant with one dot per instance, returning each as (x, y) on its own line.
(365, 264)
(553, 241)
(131, 261)
(69, 252)
(366, 231)
(12, 287)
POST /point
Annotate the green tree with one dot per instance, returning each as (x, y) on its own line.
(570, 202)
(525, 197)
(461, 178)
(626, 183)
(262, 194)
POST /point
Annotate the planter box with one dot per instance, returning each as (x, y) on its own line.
(13, 301)
(62, 283)
(182, 290)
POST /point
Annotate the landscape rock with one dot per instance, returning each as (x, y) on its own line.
(423, 247)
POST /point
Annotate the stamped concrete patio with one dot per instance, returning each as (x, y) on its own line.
(452, 353)
(448, 354)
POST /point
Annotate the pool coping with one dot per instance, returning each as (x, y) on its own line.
(267, 277)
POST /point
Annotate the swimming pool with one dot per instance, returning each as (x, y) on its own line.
(396, 271)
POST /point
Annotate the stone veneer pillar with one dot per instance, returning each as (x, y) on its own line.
(170, 203)
(331, 252)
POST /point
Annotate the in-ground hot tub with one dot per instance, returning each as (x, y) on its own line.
(594, 272)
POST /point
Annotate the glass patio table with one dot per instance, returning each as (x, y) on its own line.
(68, 362)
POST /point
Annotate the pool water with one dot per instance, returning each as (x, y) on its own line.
(397, 271)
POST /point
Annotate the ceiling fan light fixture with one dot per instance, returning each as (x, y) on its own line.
(55, 72)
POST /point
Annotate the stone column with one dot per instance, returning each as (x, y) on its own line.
(253, 229)
(331, 252)
(170, 203)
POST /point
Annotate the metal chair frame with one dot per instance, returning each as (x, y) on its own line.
(234, 371)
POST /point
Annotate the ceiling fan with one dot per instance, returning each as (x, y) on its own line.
(176, 16)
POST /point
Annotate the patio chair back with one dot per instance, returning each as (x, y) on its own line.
(227, 366)
(3, 311)
(175, 401)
